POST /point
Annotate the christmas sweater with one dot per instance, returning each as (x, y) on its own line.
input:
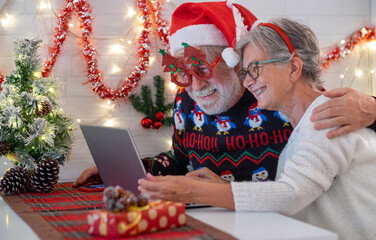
(240, 144)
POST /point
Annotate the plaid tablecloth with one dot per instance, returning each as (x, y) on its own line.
(61, 214)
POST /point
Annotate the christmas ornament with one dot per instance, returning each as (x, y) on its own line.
(44, 108)
(157, 125)
(4, 147)
(45, 175)
(146, 122)
(150, 15)
(159, 116)
(144, 104)
(15, 180)
(344, 48)
(117, 199)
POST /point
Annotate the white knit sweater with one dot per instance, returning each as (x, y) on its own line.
(329, 183)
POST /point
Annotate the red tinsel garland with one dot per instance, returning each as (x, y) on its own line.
(150, 10)
(342, 50)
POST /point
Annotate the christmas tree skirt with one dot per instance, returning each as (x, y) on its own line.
(62, 214)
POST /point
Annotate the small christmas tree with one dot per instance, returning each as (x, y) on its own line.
(34, 131)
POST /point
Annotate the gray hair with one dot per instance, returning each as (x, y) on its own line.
(302, 38)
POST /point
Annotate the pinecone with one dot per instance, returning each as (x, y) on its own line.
(117, 199)
(4, 147)
(44, 108)
(15, 180)
(45, 175)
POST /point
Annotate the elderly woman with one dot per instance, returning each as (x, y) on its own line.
(326, 182)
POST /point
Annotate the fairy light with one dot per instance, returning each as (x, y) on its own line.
(51, 90)
(129, 42)
(78, 120)
(372, 71)
(70, 24)
(342, 41)
(372, 45)
(364, 31)
(108, 102)
(43, 5)
(109, 122)
(5, 22)
(117, 48)
(342, 76)
(38, 74)
(131, 12)
(115, 69)
(172, 86)
(151, 60)
(358, 72)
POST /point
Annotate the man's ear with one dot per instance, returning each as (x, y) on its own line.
(296, 68)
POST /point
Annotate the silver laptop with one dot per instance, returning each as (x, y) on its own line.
(116, 156)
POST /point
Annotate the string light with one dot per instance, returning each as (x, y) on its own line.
(358, 72)
(342, 76)
(43, 5)
(117, 48)
(5, 22)
(372, 71)
(131, 12)
(115, 69)
(372, 45)
(172, 86)
(78, 120)
(38, 74)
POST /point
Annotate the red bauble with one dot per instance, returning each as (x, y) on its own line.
(147, 122)
(157, 125)
(159, 116)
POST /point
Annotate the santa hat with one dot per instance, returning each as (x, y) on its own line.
(227, 172)
(209, 23)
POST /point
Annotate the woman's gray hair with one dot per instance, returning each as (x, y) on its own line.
(302, 38)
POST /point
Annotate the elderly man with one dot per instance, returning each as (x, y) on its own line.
(217, 124)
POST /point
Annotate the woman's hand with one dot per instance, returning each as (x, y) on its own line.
(171, 188)
(87, 177)
(349, 110)
(205, 174)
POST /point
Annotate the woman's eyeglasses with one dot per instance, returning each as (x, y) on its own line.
(253, 68)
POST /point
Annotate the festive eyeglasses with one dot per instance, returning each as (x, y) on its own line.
(253, 68)
(199, 67)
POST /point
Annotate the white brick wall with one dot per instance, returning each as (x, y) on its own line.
(332, 21)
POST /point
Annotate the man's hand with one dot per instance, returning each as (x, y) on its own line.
(349, 110)
(204, 174)
(87, 177)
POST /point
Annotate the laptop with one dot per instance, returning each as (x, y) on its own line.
(116, 156)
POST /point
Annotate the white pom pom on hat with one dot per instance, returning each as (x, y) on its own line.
(208, 23)
(231, 57)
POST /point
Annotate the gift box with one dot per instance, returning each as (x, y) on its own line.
(153, 217)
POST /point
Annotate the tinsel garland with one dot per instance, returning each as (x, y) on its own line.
(150, 13)
(345, 48)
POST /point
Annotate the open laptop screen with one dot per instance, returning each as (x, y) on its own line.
(115, 155)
